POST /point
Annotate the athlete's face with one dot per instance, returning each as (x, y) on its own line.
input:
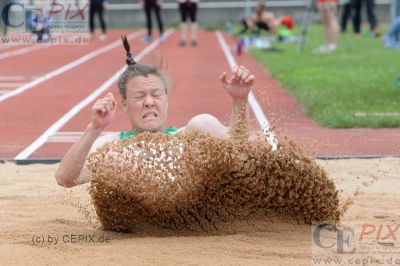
(146, 103)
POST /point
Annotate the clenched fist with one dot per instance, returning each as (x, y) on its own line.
(103, 111)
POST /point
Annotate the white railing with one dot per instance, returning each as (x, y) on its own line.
(202, 5)
(227, 4)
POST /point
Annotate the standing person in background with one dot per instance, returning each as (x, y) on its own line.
(398, 8)
(97, 7)
(392, 38)
(347, 14)
(188, 8)
(373, 23)
(328, 10)
(148, 6)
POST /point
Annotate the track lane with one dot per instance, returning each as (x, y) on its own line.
(65, 68)
(196, 70)
(40, 63)
(27, 116)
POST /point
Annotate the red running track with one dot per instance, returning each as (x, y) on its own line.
(194, 71)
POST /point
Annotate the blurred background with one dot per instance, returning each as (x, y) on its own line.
(128, 13)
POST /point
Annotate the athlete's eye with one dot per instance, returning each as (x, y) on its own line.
(138, 95)
(157, 94)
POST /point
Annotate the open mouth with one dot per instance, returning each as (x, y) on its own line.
(150, 115)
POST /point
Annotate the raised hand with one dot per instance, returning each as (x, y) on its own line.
(239, 83)
(103, 111)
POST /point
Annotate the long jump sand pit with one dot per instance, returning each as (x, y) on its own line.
(42, 223)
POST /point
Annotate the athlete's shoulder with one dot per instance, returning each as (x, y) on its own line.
(103, 139)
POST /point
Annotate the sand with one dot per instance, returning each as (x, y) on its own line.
(209, 184)
(34, 210)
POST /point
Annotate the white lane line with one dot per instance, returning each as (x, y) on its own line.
(12, 78)
(255, 106)
(61, 137)
(7, 46)
(78, 133)
(67, 67)
(77, 108)
(5, 91)
(22, 51)
(11, 84)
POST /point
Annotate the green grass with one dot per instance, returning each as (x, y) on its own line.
(359, 77)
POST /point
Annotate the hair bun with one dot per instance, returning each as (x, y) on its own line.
(129, 59)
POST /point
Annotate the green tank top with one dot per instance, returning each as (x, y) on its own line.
(128, 134)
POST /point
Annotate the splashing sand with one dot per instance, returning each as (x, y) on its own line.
(197, 182)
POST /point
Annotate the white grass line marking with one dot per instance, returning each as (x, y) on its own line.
(77, 108)
(67, 67)
(255, 106)
(376, 114)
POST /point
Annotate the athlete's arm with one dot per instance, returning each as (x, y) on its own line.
(238, 86)
(71, 171)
